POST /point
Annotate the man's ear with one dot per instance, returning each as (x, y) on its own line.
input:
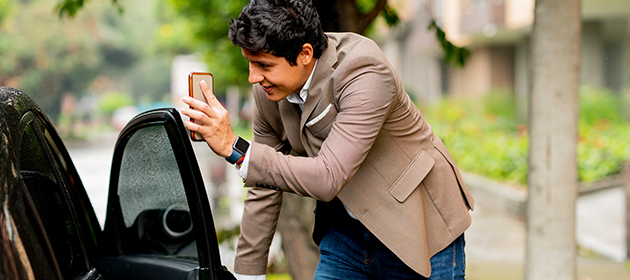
(306, 56)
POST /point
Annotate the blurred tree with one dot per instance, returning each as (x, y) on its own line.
(554, 111)
(209, 21)
(71, 7)
(139, 47)
(96, 51)
(353, 15)
(5, 9)
(205, 20)
(44, 57)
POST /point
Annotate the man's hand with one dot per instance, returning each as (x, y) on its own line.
(216, 128)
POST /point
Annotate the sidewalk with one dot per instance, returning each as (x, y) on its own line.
(495, 243)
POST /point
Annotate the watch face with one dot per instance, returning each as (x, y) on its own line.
(241, 145)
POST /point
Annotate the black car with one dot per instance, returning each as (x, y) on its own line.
(158, 224)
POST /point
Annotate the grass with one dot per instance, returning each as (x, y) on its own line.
(281, 276)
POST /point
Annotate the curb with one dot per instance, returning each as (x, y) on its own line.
(512, 200)
(498, 196)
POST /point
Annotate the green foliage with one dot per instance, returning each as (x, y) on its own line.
(140, 46)
(499, 103)
(484, 137)
(175, 34)
(44, 57)
(70, 7)
(365, 6)
(452, 53)
(390, 15)
(600, 104)
(97, 50)
(5, 10)
(209, 21)
(110, 101)
(481, 137)
(603, 135)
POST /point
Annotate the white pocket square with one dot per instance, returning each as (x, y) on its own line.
(320, 116)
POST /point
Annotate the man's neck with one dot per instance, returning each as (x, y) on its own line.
(300, 96)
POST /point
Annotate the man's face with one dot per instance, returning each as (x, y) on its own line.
(276, 76)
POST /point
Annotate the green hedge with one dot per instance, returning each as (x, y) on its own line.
(485, 138)
(110, 101)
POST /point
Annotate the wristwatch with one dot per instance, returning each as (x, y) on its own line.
(239, 148)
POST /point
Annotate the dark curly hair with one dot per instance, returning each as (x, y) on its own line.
(278, 27)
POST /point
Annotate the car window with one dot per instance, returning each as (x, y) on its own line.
(152, 196)
(46, 186)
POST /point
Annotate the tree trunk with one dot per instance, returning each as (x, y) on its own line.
(344, 15)
(553, 181)
(296, 228)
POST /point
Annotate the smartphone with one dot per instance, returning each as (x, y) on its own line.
(194, 91)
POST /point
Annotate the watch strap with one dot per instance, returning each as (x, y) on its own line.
(234, 157)
(239, 148)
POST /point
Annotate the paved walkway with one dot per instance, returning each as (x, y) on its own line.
(600, 222)
(496, 241)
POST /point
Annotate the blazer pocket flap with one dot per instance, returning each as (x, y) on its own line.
(323, 120)
(412, 177)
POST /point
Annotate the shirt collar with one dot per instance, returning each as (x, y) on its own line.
(300, 99)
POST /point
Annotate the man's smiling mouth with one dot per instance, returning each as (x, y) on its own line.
(267, 88)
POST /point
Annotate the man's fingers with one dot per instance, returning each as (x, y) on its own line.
(192, 126)
(198, 105)
(194, 114)
(207, 92)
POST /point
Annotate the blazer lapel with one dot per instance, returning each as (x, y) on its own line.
(319, 94)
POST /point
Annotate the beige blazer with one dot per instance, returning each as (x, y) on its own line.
(360, 138)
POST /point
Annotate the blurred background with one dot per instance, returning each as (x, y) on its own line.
(93, 65)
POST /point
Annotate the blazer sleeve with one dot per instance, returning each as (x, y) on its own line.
(364, 88)
(261, 211)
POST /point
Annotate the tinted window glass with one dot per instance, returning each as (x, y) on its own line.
(46, 187)
(152, 196)
(33, 157)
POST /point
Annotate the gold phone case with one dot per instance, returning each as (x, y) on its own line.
(194, 91)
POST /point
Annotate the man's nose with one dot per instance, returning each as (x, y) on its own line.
(255, 76)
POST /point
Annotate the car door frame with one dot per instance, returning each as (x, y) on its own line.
(210, 266)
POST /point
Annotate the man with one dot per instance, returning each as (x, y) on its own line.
(333, 122)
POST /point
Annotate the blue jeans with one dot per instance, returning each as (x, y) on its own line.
(350, 251)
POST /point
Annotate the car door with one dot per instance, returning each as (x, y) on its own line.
(158, 224)
(46, 213)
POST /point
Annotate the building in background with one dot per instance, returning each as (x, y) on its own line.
(497, 33)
